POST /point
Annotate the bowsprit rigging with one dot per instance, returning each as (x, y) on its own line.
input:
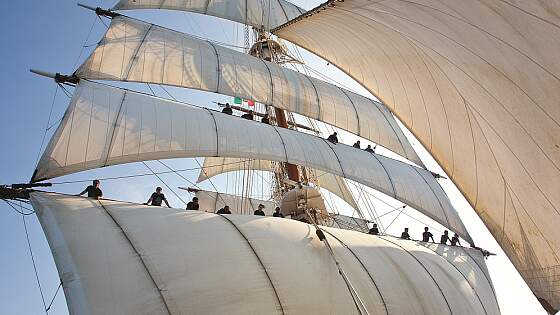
(272, 133)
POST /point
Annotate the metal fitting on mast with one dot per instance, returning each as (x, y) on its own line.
(59, 78)
(99, 11)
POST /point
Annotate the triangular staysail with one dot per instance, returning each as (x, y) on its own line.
(477, 82)
(155, 260)
(137, 51)
(107, 126)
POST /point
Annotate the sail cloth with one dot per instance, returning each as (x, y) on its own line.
(211, 201)
(107, 126)
(218, 165)
(136, 51)
(261, 14)
(169, 261)
(478, 83)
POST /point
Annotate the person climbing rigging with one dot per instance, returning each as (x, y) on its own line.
(369, 149)
(357, 144)
(227, 109)
(427, 235)
(333, 138)
(405, 235)
(455, 240)
(374, 230)
(193, 204)
(265, 119)
(259, 210)
(277, 213)
(248, 115)
(93, 191)
(224, 210)
(157, 198)
(444, 238)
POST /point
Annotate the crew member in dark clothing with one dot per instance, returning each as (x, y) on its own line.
(93, 191)
(248, 115)
(265, 119)
(193, 205)
(157, 198)
(227, 110)
(427, 235)
(444, 238)
(374, 230)
(224, 210)
(357, 144)
(405, 235)
(455, 240)
(333, 138)
(369, 149)
(277, 213)
(260, 211)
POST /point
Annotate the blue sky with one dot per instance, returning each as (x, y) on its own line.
(49, 35)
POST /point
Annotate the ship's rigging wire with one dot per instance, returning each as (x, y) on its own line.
(161, 180)
(84, 45)
(395, 218)
(54, 296)
(34, 264)
(47, 125)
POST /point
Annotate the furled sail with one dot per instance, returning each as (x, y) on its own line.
(261, 14)
(477, 82)
(218, 165)
(211, 201)
(107, 126)
(136, 51)
(171, 261)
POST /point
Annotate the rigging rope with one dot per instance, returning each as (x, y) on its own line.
(161, 180)
(47, 126)
(34, 264)
(55, 293)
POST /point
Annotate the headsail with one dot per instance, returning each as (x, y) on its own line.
(108, 126)
(261, 14)
(137, 51)
(218, 165)
(269, 256)
(478, 83)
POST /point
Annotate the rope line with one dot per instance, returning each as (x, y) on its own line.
(55, 293)
(161, 180)
(34, 264)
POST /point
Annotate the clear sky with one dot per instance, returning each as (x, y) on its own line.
(49, 35)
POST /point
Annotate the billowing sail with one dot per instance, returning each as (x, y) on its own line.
(218, 165)
(477, 82)
(156, 260)
(211, 201)
(107, 126)
(262, 14)
(136, 51)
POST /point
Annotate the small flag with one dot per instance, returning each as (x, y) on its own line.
(237, 100)
(250, 103)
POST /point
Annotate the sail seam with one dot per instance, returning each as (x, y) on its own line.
(258, 258)
(159, 290)
(134, 56)
(363, 266)
(118, 117)
(271, 83)
(466, 279)
(319, 109)
(484, 273)
(424, 267)
(436, 196)
(216, 129)
(359, 131)
(283, 144)
(217, 67)
(388, 175)
(336, 155)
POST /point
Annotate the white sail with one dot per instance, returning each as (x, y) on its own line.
(157, 260)
(261, 14)
(107, 126)
(211, 201)
(218, 165)
(136, 51)
(477, 82)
